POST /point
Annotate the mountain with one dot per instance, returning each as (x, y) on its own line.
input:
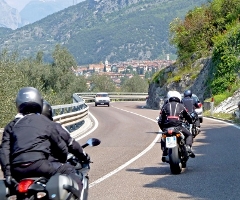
(10, 17)
(95, 30)
(38, 9)
(33, 11)
(19, 5)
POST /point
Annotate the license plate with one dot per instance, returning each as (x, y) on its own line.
(171, 142)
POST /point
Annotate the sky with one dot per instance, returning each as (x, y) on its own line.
(18, 4)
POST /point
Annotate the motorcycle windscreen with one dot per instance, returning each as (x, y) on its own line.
(171, 142)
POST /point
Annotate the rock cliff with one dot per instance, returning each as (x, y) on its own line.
(9, 18)
(198, 84)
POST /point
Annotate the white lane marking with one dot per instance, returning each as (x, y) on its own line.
(130, 161)
(229, 123)
(92, 129)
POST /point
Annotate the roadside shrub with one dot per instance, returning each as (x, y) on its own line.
(221, 97)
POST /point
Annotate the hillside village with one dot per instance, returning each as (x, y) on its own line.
(119, 70)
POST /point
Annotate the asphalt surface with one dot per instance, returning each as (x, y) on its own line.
(123, 169)
(127, 164)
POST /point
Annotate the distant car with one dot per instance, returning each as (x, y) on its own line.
(102, 98)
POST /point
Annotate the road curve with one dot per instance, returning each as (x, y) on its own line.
(127, 130)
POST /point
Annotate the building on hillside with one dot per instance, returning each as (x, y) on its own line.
(96, 67)
(107, 66)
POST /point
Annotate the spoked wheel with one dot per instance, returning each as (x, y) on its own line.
(174, 161)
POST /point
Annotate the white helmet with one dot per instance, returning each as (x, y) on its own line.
(174, 96)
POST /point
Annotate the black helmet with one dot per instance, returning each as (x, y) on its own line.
(47, 110)
(188, 93)
(29, 100)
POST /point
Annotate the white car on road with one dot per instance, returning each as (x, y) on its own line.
(102, 98)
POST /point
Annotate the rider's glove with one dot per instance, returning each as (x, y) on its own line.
(84, 158)
(9, 181)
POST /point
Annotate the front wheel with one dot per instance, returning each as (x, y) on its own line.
(84, 194)
(174, 161)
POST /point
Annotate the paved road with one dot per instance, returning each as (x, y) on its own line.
(127, 167)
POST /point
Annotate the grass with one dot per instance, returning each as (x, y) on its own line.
(223, 116)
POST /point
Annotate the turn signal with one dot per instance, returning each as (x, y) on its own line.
(200, 105)
(24, 185)
(178, 135)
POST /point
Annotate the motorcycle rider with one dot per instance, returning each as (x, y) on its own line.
(172, 115)
(73, 146)
(190, 104)
(27, 142)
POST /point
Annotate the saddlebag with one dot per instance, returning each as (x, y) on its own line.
(4, 191)
(60, 186)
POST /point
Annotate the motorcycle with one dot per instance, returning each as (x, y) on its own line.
(58, 187)
(83, 169)
(176, 148)
(192, 127)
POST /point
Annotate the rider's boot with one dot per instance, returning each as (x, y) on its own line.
(165, 157)
(198, 130)
(190, 153)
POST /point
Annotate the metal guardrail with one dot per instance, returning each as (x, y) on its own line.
(73, 115)
(70, 115)
(115, 96)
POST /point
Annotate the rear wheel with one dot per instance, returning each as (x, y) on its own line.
(174, 161)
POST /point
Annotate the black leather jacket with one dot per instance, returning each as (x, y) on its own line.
(172, 115)
(29, 139)
(73, 147)
(190, 104)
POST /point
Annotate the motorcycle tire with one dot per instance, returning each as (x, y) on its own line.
(174, 161)
(84, 195)
(194, 132)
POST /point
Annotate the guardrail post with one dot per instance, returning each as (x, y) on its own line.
(211, 108)
(53, 112)
(69, 109)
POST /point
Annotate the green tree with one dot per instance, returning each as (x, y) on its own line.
(226, 62)
(102, 83)
(55, 81)
(11, 79)
(135, 84)
(63, 59)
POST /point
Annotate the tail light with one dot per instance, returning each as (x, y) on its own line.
(200, 105)
(170, 131)
(24, 185)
